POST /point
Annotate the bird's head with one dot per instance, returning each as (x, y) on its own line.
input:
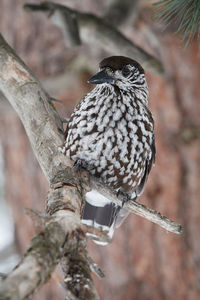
(120, 71)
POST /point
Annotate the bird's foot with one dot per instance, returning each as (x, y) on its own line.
(79, 165)
(125, 197)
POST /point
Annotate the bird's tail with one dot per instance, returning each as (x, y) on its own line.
(100, 212)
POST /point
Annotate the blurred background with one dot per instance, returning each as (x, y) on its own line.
(143, 261)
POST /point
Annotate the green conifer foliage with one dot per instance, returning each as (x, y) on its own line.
(185, 13)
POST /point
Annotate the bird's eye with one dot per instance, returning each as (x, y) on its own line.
(109, 70)
(125, 72)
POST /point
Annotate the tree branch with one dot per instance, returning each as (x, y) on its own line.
(61, 237)
(137, 208)
(96, 31)
(63, 233)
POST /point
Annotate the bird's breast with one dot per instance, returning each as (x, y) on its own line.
(110, 140)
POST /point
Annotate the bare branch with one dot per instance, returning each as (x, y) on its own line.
(94, 30)
(95, 268)
(89, 182)
(77, 278)
(62, 238)
(64, 18)
(39, 261)
(119, 12)
(63, 231)
(59, 239)
(32, 104)
(137, 208)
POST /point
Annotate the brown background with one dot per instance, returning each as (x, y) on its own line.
(143, 261)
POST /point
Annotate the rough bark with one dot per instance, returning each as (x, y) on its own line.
(62, 234)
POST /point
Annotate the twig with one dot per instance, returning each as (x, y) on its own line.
(89, 182)
(95, 268)
(38, 218)
(137, 208)
(96, 31)
(65, 18)
(77, 273)
(190, 134)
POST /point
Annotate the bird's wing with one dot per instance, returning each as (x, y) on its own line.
(149, 163)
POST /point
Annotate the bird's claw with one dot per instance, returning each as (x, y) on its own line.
(80, 164)
(126, 197)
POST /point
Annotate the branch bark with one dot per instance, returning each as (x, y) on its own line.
(96, 31)
(62, 235)
(137, 208)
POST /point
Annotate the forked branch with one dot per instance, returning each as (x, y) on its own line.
(94, 30)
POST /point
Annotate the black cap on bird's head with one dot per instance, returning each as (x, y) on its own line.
(119, 62)
(109, 66)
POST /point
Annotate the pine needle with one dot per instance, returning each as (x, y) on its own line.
(184, 13)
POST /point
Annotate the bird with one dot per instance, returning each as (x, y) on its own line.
(111, 134)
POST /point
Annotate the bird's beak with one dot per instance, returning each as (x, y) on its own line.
(101, 77)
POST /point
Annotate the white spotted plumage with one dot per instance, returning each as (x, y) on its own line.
(111, 132)
(92, 133)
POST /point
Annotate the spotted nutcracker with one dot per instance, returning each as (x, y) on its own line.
(111, 132)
